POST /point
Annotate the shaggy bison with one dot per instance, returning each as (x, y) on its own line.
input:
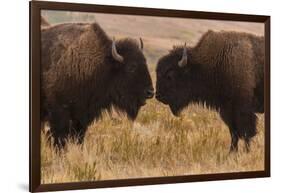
(224, 71)
(84, 73)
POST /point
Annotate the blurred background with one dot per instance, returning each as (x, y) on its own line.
(158, 33)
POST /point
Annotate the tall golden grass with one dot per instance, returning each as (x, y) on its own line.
(156, 144)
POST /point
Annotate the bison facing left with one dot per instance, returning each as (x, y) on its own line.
(84, 73)
(224, 71)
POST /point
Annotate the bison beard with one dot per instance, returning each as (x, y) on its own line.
(224, 71)
(85, 73)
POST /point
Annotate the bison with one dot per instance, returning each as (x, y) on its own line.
(225, 72)
(84, 72)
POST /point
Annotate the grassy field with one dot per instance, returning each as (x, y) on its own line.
(156, 143)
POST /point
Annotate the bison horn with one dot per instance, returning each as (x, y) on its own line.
(115, 54)
(183, 60)
(141, 44)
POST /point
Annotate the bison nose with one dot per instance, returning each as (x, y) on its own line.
(149, 93)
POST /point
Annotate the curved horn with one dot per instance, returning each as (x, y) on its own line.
(141, 44)
(114, 52)
(183, 60)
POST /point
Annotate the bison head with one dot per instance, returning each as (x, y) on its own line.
(131, 82)
(176, 79)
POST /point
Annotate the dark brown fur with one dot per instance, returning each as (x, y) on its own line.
(224, 72)
(81, 78)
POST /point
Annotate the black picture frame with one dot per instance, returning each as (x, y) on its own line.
(35, 124)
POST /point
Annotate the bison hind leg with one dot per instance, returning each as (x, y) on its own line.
(259, 98)
(246, 124)
(242, 125)
(71, 130)
(258, 105)
(59, 119)
(60, 136)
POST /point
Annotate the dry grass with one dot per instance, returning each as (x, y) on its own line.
(156, 144)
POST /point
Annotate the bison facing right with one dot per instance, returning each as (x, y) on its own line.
(86, 73)
(224, 71)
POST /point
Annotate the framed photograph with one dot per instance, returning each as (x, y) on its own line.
(123, 96)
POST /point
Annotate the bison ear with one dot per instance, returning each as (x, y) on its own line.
(183, 61)
(115, 54)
